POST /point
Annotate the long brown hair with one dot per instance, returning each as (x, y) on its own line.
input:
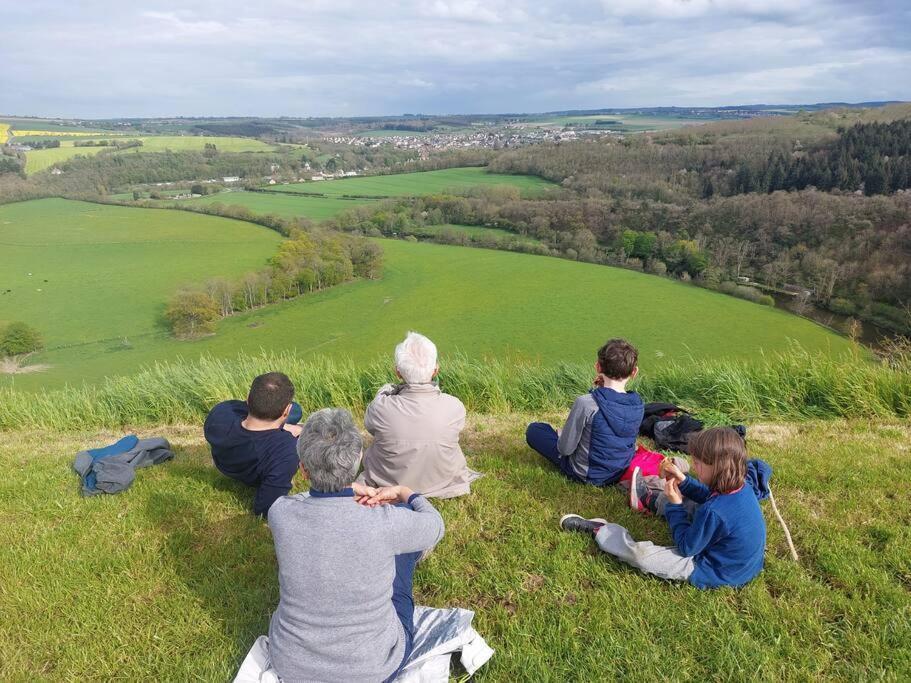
(725, 451)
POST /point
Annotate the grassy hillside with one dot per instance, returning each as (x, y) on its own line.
(553, 310)
(174, 579)
(425, 182)
(285, 205)
(41, 159)
(90, 274)
(325, 199)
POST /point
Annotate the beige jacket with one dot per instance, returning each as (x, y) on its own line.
(415, 430)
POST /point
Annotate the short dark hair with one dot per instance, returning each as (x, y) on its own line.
(617, 359)
(269, 395)
(725, 450)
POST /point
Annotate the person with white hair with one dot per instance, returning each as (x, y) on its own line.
(416, 427)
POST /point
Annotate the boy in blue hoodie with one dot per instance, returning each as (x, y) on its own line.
(597, 443)
(255, 441)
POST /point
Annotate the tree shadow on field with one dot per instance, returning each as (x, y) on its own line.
(226, 561)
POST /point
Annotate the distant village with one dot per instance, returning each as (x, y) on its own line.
(427, 143)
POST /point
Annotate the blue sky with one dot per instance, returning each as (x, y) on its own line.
(98, 58)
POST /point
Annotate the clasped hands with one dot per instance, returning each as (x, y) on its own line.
(371, 496)
(673, 477)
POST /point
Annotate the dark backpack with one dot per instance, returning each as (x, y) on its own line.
(670, 426)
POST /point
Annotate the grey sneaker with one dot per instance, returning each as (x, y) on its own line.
(641, 497)
(579, 523)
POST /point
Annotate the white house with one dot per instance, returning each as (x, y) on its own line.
(231, 179)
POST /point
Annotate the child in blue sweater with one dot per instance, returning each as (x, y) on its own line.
(716, 523)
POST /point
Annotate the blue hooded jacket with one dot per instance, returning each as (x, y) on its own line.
(615, 427)
(726, 536)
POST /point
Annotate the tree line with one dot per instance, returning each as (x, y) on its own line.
(305, 262)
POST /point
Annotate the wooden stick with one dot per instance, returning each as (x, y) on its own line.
(784, 527)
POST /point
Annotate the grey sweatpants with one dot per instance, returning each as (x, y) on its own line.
(660, 561)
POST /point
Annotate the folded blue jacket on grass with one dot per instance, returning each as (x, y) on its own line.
(111, 469)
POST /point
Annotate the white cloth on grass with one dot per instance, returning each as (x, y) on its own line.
(437, 634)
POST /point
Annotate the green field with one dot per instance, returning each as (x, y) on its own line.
(476, 301)
(41, 159)
(473, 231)
(626, 123)
(91, 274)
(284, 205)
(325, 199)
(173, 580)
(184, 143)
(426, 182)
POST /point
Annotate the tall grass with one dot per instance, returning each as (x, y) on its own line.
(793, 385)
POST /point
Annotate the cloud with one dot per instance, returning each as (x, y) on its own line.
(100, 58)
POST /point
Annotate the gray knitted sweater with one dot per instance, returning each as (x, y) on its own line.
(336, 563)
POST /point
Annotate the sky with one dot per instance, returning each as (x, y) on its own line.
(147, 58)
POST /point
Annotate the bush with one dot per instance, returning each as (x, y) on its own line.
(192, 314)
(842, 306)
(18, 339)
(766, 300)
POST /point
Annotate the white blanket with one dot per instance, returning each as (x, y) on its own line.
(437, 634)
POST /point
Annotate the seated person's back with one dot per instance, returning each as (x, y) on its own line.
(597, 443)
(345, 610)
(416, 428)
(251, 443)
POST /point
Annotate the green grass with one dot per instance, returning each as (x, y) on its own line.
(184, 143)
(325, 199)
(173, 579)
(474, 232)
(626, 123)
(412, 184)
(477, 301)
(104, 272)
(284, 205)
(793, 385)
(41, 159)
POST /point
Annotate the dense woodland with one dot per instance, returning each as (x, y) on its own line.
(851, 246)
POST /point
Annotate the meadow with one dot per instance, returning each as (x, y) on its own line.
(41, 159)
(314, 207)
(325, 199)
(174, 579)
(624, 123)
(88, 274)
(456, 295)
(425, 182)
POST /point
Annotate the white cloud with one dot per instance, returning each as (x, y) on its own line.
(104, 58)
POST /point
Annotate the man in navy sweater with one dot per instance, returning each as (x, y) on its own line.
(255, 441)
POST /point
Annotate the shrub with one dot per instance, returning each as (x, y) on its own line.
(18, 339)
(842, 306)
(657, 267)
(192, 314)
(766, 300)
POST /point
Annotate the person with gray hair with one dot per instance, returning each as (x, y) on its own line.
(416, 428)
(346, 557)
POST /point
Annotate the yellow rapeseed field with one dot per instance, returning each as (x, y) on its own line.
(4, 133)
(56, 133)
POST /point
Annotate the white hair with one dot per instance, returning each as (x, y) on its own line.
(416, 358)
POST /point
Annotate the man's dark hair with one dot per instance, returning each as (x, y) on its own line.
(269, 395)
(618, 359)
